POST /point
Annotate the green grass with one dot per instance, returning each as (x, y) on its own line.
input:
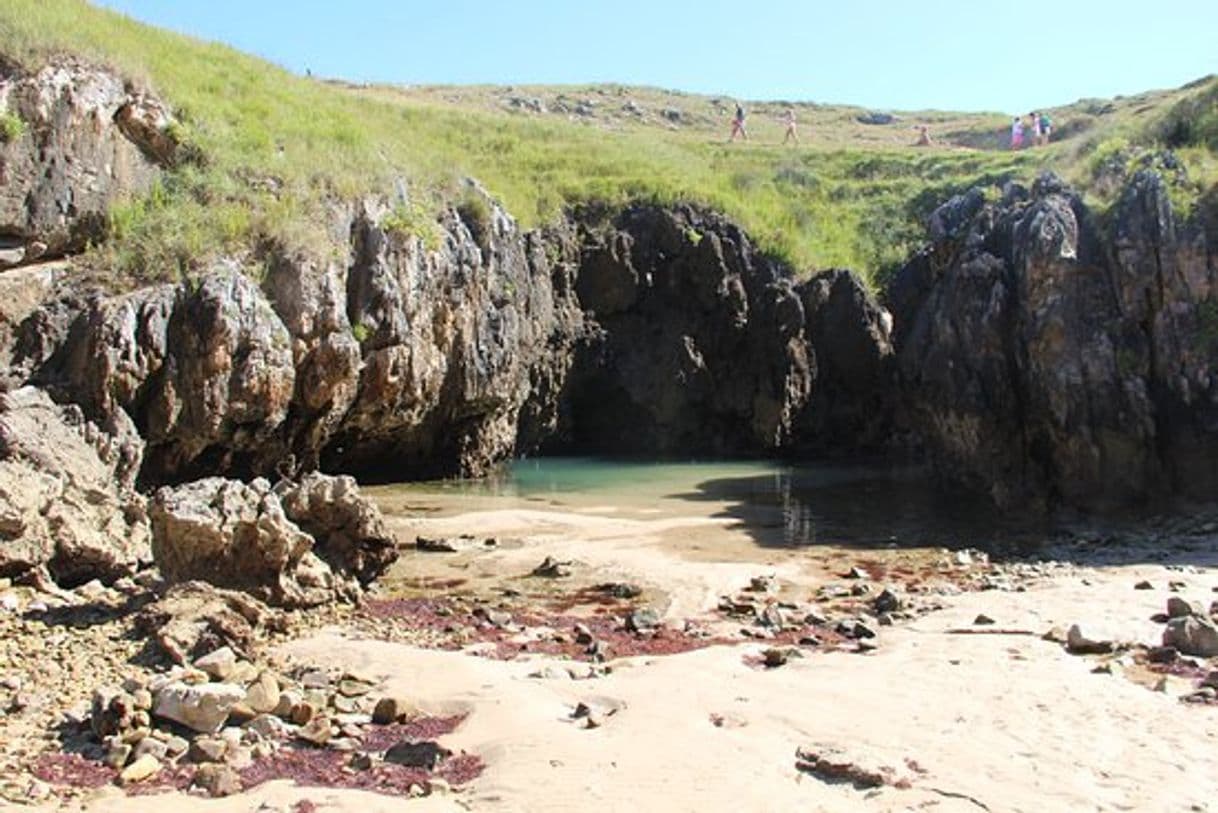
(277, 146)
(11, 127)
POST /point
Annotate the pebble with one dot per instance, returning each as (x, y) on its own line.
(983, 620)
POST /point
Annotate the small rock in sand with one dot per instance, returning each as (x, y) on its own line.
(983, 620)
(856, 573)
(643, 619)
(1143, 585)
(1078, 643)
(551, 568)
(427, 754)
(622, 590)
(886, 602)
(393, 709)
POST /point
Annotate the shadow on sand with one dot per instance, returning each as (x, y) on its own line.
(869, 506)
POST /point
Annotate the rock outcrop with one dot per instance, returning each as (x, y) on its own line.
(67, 502)
(1046, 361)
(239, 536)
(654, 331)
(696, 342)
(84, 140)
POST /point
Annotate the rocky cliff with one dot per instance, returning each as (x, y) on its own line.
(1039, 352)
(1049, 355)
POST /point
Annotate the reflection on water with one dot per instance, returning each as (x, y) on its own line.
(778, 504)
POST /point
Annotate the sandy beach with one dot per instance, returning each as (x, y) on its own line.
(949, 713)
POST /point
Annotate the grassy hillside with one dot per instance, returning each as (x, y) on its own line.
(277, 145)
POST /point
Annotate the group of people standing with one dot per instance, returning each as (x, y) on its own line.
(1035, 133)
(738, 129)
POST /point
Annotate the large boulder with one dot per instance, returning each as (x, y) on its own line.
(66, 492)
(236, 535)
(349, 532)
(296, 545)
(85, 140)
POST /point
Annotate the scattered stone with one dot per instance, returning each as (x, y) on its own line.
(886, 602)
(316, 731)
(207, 749)
(762, 584)
(775, 656)
(643, 620)
(143, 768)
(1143, 585)
(983, 620)
(427, 755)
(351, 686)
(393, 709)
(202, 708)
(1079, 644)
(218, 780)
(1162, 654)
(263, 695)
(853, 628)
(219, 665)
(361, 761)
(772, 617)
(856, 573)
(454, 544)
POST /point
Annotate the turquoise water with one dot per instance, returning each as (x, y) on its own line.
(778, 504)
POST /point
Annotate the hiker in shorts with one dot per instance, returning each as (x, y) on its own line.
(1035, 127)
(1046, 128)
(791, 135)
(738, 125)
(1017, 133)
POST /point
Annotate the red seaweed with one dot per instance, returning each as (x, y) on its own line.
(73, 770)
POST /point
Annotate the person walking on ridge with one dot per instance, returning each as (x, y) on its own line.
(1017, 133)
(790, 122)
(1035, 138)
(1046, 127)
(738, 124)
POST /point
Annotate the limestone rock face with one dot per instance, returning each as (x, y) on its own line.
(85, 140)
(854, 395)
(694, 342)
(1045, 361)
(206, 373)
(66, 492)
(237, 536)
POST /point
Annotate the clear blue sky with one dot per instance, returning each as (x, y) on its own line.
(1009, 55)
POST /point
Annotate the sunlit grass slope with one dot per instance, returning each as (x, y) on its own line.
(278, 145)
